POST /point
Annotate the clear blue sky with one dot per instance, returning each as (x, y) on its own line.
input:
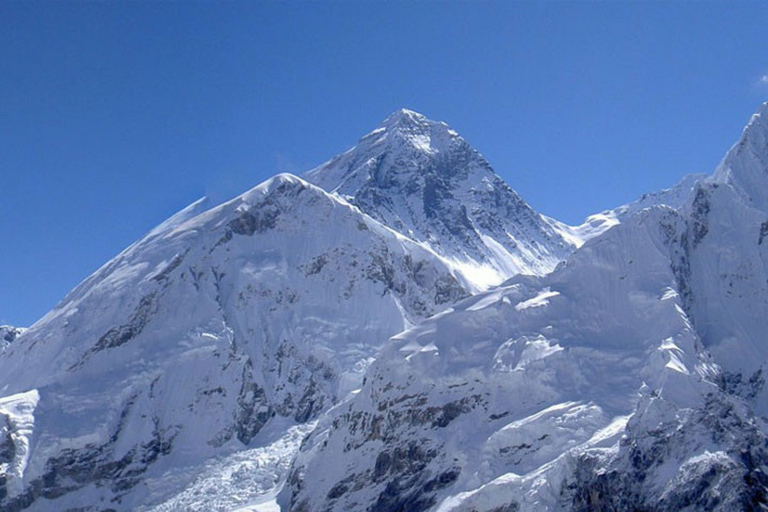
(115, 115)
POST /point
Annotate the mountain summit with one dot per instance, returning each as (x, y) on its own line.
(421, 178)
(407, 119)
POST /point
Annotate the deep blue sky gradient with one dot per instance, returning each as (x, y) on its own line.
(115, 115)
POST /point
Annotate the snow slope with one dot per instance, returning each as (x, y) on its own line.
(522, 397)
(247, 479)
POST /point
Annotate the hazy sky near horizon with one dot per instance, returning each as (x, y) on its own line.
(115, 115)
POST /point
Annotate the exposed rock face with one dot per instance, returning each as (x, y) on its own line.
(710, 458)
(8, 334)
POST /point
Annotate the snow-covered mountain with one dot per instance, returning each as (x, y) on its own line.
(186, 372)
(425, 181)
(627, 379)
(229, 330)
(497, 403)
(266, 309)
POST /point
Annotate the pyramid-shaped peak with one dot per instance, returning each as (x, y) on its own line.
(403, 149)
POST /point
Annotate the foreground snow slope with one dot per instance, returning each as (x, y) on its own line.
(424, 180)
(195, 339)
(499, 402)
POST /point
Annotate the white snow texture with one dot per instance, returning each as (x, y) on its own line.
(399, 330)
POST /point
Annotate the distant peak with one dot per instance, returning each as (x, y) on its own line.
(400, 145)
(406, 128)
